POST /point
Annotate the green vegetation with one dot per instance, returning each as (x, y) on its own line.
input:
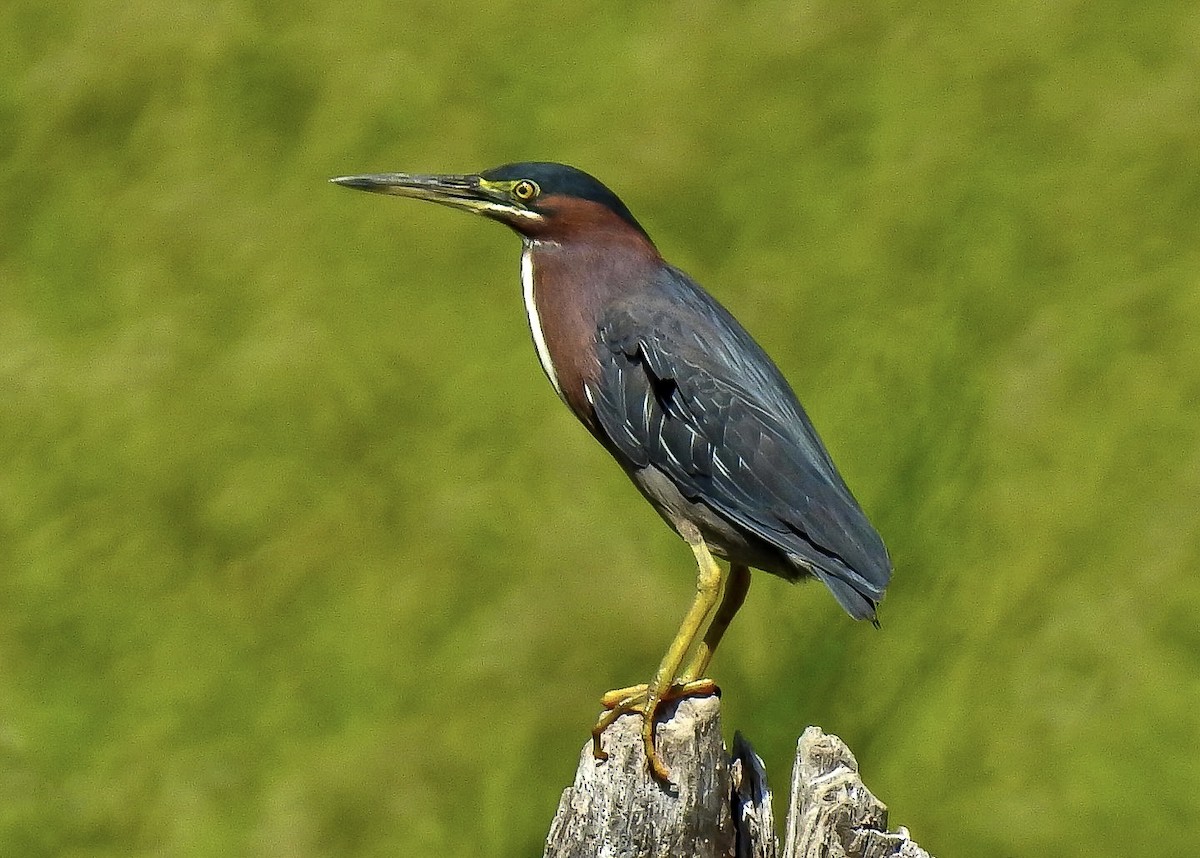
(299, 554)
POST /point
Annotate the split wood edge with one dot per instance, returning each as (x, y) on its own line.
(718, 805)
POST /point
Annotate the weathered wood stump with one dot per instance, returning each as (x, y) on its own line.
(717, 806)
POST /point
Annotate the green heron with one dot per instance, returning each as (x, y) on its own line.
(689, 405)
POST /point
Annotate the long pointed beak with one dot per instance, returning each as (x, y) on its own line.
(438, 189)
(468, 193)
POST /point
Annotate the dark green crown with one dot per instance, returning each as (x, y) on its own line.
(567, 181)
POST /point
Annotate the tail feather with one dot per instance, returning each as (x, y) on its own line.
(854, 593)
(857, 605)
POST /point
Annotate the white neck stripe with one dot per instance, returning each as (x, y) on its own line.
(535, 322)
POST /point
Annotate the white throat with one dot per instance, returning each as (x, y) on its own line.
(535, 322)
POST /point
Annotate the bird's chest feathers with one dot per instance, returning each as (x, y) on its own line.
(565, 293)
(529, 290)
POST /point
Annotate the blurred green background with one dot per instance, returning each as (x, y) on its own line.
(300, 555)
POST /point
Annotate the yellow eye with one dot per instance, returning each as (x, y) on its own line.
(526, 190)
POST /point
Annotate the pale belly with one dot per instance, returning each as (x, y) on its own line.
(723, 538)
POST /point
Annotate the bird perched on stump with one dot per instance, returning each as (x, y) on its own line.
(689, 405)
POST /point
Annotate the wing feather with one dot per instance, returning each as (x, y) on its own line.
(700, 401)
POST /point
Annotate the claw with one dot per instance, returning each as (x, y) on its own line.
(638, 699)
(670, 682)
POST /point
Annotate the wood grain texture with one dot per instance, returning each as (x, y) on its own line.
(718, 804)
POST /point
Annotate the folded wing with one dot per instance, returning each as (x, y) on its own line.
(683, 388)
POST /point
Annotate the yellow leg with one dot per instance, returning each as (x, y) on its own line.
(646, 699)
(736, 588)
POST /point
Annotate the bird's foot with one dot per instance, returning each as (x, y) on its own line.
(621, 698)
(642, 700)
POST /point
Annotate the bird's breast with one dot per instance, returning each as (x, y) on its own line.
(529, 291)
(566, 287)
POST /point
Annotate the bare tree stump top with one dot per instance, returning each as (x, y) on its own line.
(831, 813)
(616, 807)
(717, 807)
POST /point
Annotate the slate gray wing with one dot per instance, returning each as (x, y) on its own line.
(685, 389)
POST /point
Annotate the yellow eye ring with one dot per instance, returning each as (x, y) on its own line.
(526, 190)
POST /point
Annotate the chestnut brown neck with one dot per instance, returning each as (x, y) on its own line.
(583, 259)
